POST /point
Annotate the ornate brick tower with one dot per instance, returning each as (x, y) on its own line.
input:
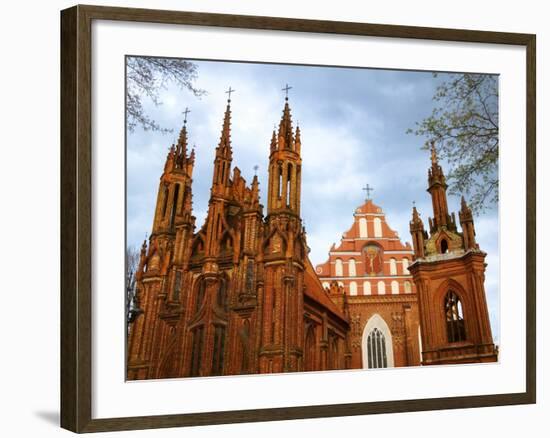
(237, 295)
(284, 251)
(162, 265)
(449, 273)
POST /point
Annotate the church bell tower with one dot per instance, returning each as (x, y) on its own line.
(284, 252)
(449, 273)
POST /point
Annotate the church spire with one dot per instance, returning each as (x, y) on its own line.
(224, 153)
(286, 137)
(285, 166)
(467, 223)
(224, 146)
(437, 187)
(416, 227)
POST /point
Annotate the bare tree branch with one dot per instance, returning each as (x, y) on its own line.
(146, 77)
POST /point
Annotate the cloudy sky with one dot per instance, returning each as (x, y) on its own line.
(353, 124)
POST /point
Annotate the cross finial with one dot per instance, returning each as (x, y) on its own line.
(368, 189)
(414, 204)
(256, 167)
(187, 111)
(286, 91)
(228, 92)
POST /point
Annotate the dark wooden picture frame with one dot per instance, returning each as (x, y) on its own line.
(76, 218)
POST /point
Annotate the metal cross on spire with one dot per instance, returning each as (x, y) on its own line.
(286, 91)
(187, 111)
(228, 92)
(368, 189)
(256, 167)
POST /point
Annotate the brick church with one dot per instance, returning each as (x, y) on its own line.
(370, 267)
(239, 295)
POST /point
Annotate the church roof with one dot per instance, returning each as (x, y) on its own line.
(369, 207)
(314, 290)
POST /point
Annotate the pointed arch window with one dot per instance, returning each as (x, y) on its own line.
(444, 246)
(353, 288)
(174, 205)
(309, 362)
(456, 330)
(244, 335)
(407, 287)
(288, 183)
(376, 349)
(164, 200)
(381, 288)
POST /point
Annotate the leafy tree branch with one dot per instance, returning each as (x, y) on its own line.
(464, 127)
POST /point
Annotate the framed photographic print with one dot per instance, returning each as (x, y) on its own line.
(267, 218)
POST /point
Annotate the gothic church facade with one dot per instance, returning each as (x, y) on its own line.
(239, 295)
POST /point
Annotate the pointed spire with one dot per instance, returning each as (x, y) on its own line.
(434, 154)
(273, 146)
(181, 147)
(285, 128)
(224, 147)
(416, 222)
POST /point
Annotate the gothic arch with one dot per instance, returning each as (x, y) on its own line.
(456, 287)
(377, 322)
(226, 241)
(440, 300)
(168, 364)
(281, 235)
(198, 242)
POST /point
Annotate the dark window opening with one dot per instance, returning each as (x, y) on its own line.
(177, 286)
(174, 205)
(219, 348)
(164, 200)
(456, 330)
(288, 181)
(196, 353)
(200, 295)
(376, 349)
(444, 246)
(221, 298)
